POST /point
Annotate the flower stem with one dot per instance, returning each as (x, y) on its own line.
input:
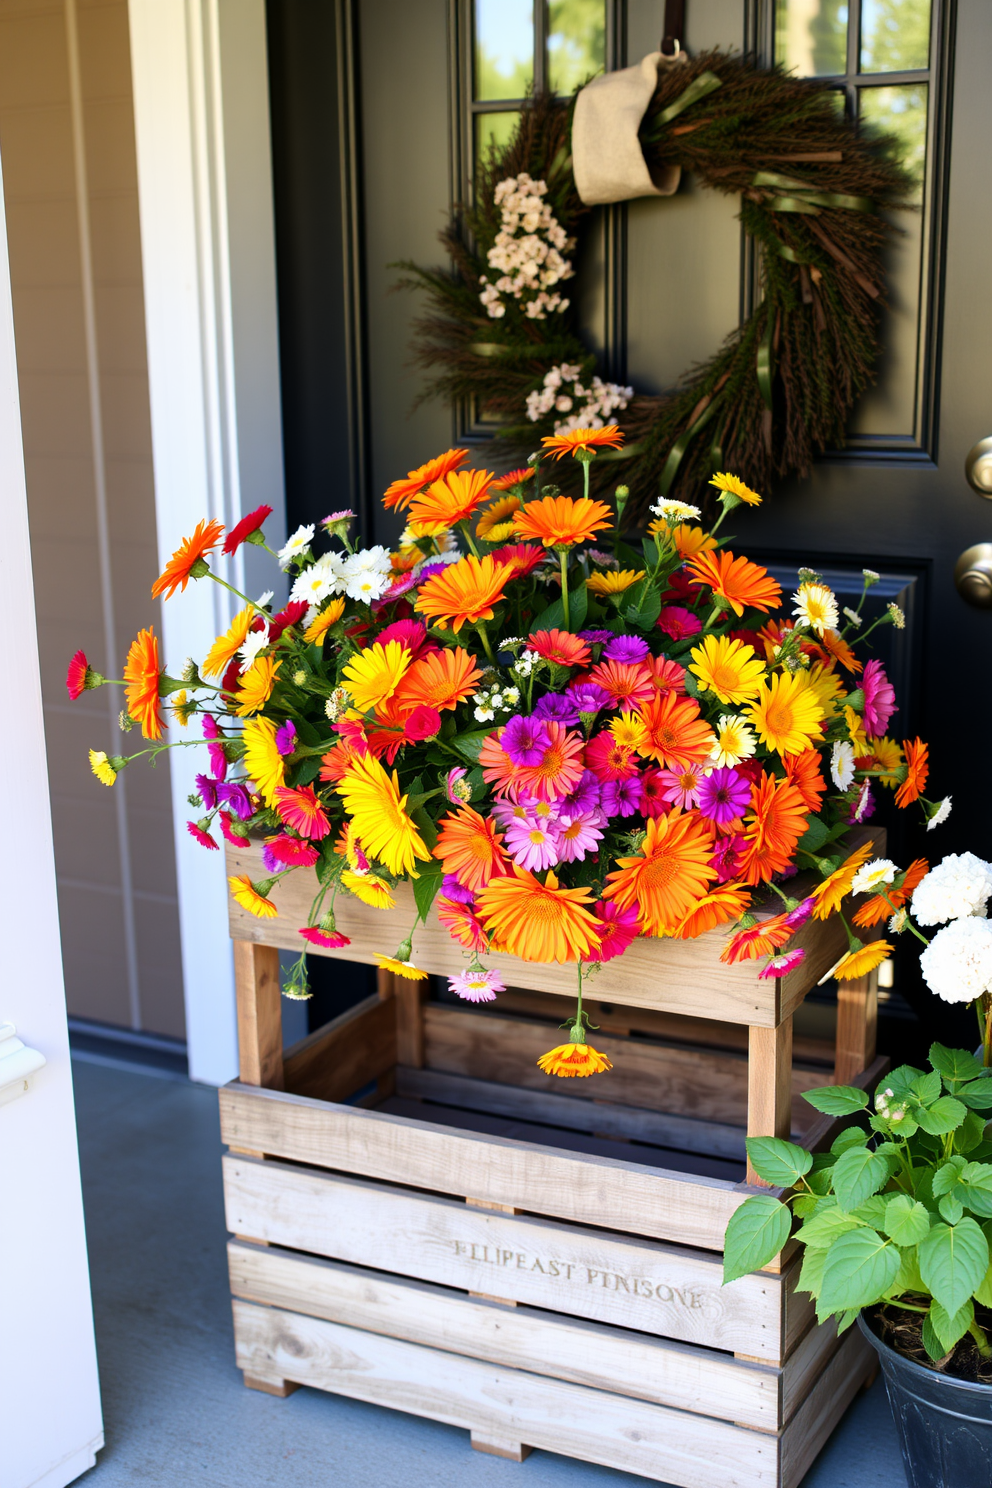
(563, 561)
(981, 1340)
(463, 528)
(237, 593)
(485, 642)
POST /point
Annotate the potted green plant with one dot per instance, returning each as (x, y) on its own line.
(896, 1218)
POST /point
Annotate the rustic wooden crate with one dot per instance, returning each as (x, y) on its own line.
(424, 1220)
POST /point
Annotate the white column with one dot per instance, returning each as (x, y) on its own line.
(205, 195)
(50, 1422)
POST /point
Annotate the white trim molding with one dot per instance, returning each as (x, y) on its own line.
(201, 108)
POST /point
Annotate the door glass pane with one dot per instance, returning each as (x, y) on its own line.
(504, 48)
(576, 42)
(811, 36)
(492, 128)
(901, 112)
(895, 35)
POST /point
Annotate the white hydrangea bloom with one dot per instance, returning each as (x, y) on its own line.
(589, 407)
(297, 544)
(871, 876)
(960, 885)
(957, 964)
(842, 764)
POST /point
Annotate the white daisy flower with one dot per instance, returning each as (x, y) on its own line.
(673, 512)
(941, 812)
(256, 641)
(815, 606)
(842, 764)
(264, 600)
(871, 876)
(735, 740)
(319, 581)
(367, 560)
(297, 544)
(367, 586)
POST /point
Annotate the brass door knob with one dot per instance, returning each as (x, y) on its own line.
(978, 466)
(973, 575)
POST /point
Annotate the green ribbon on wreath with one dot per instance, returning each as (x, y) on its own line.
(705, 83)
(765, 362)
(801, 197)
(681, 444)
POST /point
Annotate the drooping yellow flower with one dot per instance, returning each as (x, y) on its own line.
(369, 888)
(375, 673)
(321, 624)
(732, 485)
(227, 646)
(372, 799)
(729, 668)
(101, 767)
(263, 763)
(856, 731)
(256, 685)
(886, 755)
(574, 1059)
(400, 968)
(612, 581)
(182, 708)
(787, 713)
(248, 896)
(859, 963)
(830, 893)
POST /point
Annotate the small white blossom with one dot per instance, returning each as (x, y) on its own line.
(528, 252)
(897, 617)
(297, 544)
(852, 615)
(872, 875)
(870, 576)
(484, 715)
(842, 764)
(256, 641)
(264, 600)
(367, 586)
(816, 607)
(674, 512)
(940, 814)
(959, 886)
(589, 407)
(957, 964)
(338, 702)
(899, 921)
(511, 696)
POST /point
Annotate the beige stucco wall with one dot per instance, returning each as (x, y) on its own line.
(119, 919)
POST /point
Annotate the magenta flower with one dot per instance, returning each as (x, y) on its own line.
(653, 802)
(622, 797)
(800, 914)
(338, 516)
(681, 787)
(595, 637)
(585, 796)
(577, 835)
(457, 794)
(230, 836)
(726, 857)
(269, 860)
(678, 622)
(401, 585)
(531, 844)
(476, 986)
(286, 737)
(723, 796)
(588, 700)
(880, 698)
(452, 889)
(630, 649)
(292, 852)
(234, 794)
(411, 634)
(212, 733)
(617, 928)
(203, 838)
(525, 740)
(332, 941)
(783, 963)
(207, 787)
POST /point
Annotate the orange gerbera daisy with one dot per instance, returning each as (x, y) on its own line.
(581, 439)
(469, 847)
(880, 906)
(773, 826)
(513, 478)
(557, 772)
(831, 891)
(559, 646)
(917, 770)
(248, 895)
(722, 904)
(860, 962)
(573, 1059)
(758, 940)
(559, 521)
(803, 771)
(666, 879)
(451, 500)
(464, 593)
(743, 584)
(538, 922)
(629, 683)
(837, 647)
(442, 680)
(188, 561)
(674, 733)
(461, 924)
(141, 673)
(401, 492)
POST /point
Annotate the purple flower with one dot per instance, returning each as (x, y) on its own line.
(429, 570)
(595, 637)
(585, 796)
(800, 914)
(723, 796)
(207, 787)
(588, 698)
(559, 707)
(212, 732)
(234, 794)
(576, 835)
(524, 740)
(532, 844)
(269, 860)
(452, 889)
(864, 805)
(286, 737)
(626, 648)
(622, 797)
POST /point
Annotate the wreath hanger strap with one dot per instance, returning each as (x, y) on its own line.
(671, 41)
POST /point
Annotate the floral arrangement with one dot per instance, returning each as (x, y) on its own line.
(896, 1216)
(562, 739)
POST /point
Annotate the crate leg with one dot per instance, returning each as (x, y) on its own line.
(256, 982)
(857, 1027)
(769, 1085)
(281, 1388)
(410, 998)
(497, 1447)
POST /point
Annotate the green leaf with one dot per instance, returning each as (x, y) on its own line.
(983, 1291)
(928, 1087)
(811, 1275)
(859, 1269)
(947, 1175)
(899, 1080)
(931, 1342)
(872, 1211)
(553, 618)
(951, 1208)
(469, 745)
(906, 1221)
(975, 1188)
(756, 1233)
(425, 888)
(851, 1136)
(942, 1117)
(969, 1136)
(954, 1064)
(778, 1162)
(803, 1205)
(822, 1230)
(909, 1278)
(425, 827)
(949, 1327)
(642, 604)
(977, 1094)
(953, 1262)
(837, 1100)
(858, 1174)
(307, 771)
(815, 835)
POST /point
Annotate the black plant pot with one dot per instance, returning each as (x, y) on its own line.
(944, 1425)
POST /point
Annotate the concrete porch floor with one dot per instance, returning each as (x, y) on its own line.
(176, 1411)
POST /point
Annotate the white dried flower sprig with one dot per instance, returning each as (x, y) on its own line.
(529, 252)
(583, 407)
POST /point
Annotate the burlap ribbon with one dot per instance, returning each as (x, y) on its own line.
(607, 159)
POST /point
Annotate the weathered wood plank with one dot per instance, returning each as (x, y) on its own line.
(587, 1353)
(771, 1081)
(660, 1289)
(256, 983)
(682, 1133)
(338, 1059)
(504, 1404)
(831, 1394)
(805, 1364)
(631, 1197)
(857, 1026)
(410, 1000)
(710, 1085)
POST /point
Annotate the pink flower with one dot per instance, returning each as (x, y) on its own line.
(723, 796)
(300, 808)
(457, 794)
(331, 942)
(653, 802)
(229, 836)
(880, 698)
(292, 852)
(531, 844)
(678, 622)
(800, 914)
(476, 986)
(577, 834)
(617, 928)
(783, 963)
(202, 837)
(212, 732)
(411, 634)
(681, 787)
(727, 856)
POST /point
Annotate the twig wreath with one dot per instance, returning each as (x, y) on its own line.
(501, 332)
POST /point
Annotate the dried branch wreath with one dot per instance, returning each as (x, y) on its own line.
(501, 334)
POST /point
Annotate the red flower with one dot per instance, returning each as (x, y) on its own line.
(521, 558)
(332, 942)
(244, 530)
(291, 615)
(202, 837)
(678, 622)
(293, 851)
(224, 817)
(560, 647)
(76, 676)
(609, 760)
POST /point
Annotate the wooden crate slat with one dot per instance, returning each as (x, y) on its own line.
(832, 1393)
(637, 1199)
(659, 1289)
(587, 1353)
(345, 1054)
(506, 1404)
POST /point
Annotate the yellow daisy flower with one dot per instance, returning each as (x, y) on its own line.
(248, 896)
(628, 730)
(182, 707)
(612, 581)
(685, 538)
(263, 763)
(375, 673)
(887, 755)
(369, 888)
(322, 623)
(816, 606)
(729, 668)
(827, 685)
(101, 767)
(859, 963)
(227, 646)
(732, 485)
(256, 685)
(494, 525)
(787, 714)
(400, 968)
(372, 799)
(856, 731)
